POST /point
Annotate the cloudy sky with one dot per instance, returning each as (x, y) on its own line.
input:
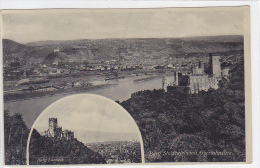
(91, 117)
(39, 25)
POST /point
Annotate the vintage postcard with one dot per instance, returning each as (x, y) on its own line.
(126, 86)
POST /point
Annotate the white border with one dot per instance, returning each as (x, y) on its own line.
(254, 13)
(36, 4)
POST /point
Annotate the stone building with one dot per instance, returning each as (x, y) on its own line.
(215, 68)
(199, 69)
(199, 80)
(56, 132)
(68, 135)
(177, 79)
(170, 81)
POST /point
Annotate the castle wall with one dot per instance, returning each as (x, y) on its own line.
(58, 132)
(198, 70)
(55, 131)
(169, 81)
(68, 135)
(202, 82)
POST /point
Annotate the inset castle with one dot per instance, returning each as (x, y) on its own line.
(56, 132)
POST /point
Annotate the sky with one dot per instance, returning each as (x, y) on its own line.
(25, 26)
(93, 118)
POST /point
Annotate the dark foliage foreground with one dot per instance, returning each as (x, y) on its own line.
(178, 127)
(47, 150)
(15, 139)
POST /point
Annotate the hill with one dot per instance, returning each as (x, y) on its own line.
(100, 50)
(55, 57)
(224, 38)
(10, 47)
(60, 151)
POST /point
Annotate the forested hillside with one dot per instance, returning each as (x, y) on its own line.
(178, 127)
(16, 136)
(60, 151)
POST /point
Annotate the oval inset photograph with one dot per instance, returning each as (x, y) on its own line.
(84, 129)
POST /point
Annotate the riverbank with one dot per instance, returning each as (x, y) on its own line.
(11, 97)
(147, 79)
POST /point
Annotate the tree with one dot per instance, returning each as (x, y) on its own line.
(15, 138)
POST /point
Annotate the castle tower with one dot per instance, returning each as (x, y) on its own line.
(52, 126)
(215, 68)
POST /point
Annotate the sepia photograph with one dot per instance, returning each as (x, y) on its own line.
(126, 86)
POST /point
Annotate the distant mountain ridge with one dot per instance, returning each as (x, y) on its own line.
(223, 38)
(96, 50)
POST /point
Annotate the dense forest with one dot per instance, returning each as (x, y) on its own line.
(48, 150)
(206, 127)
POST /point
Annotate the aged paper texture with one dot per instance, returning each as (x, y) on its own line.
(127, 86)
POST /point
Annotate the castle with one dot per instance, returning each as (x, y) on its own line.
(56, 132)
(199, 80)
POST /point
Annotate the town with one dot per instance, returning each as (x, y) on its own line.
(118, 151)
(55, 75)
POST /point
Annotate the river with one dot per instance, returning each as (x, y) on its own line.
(31, 108)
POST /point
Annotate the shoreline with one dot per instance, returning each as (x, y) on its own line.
(59, 92)
(16, 97)
(147, 79)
